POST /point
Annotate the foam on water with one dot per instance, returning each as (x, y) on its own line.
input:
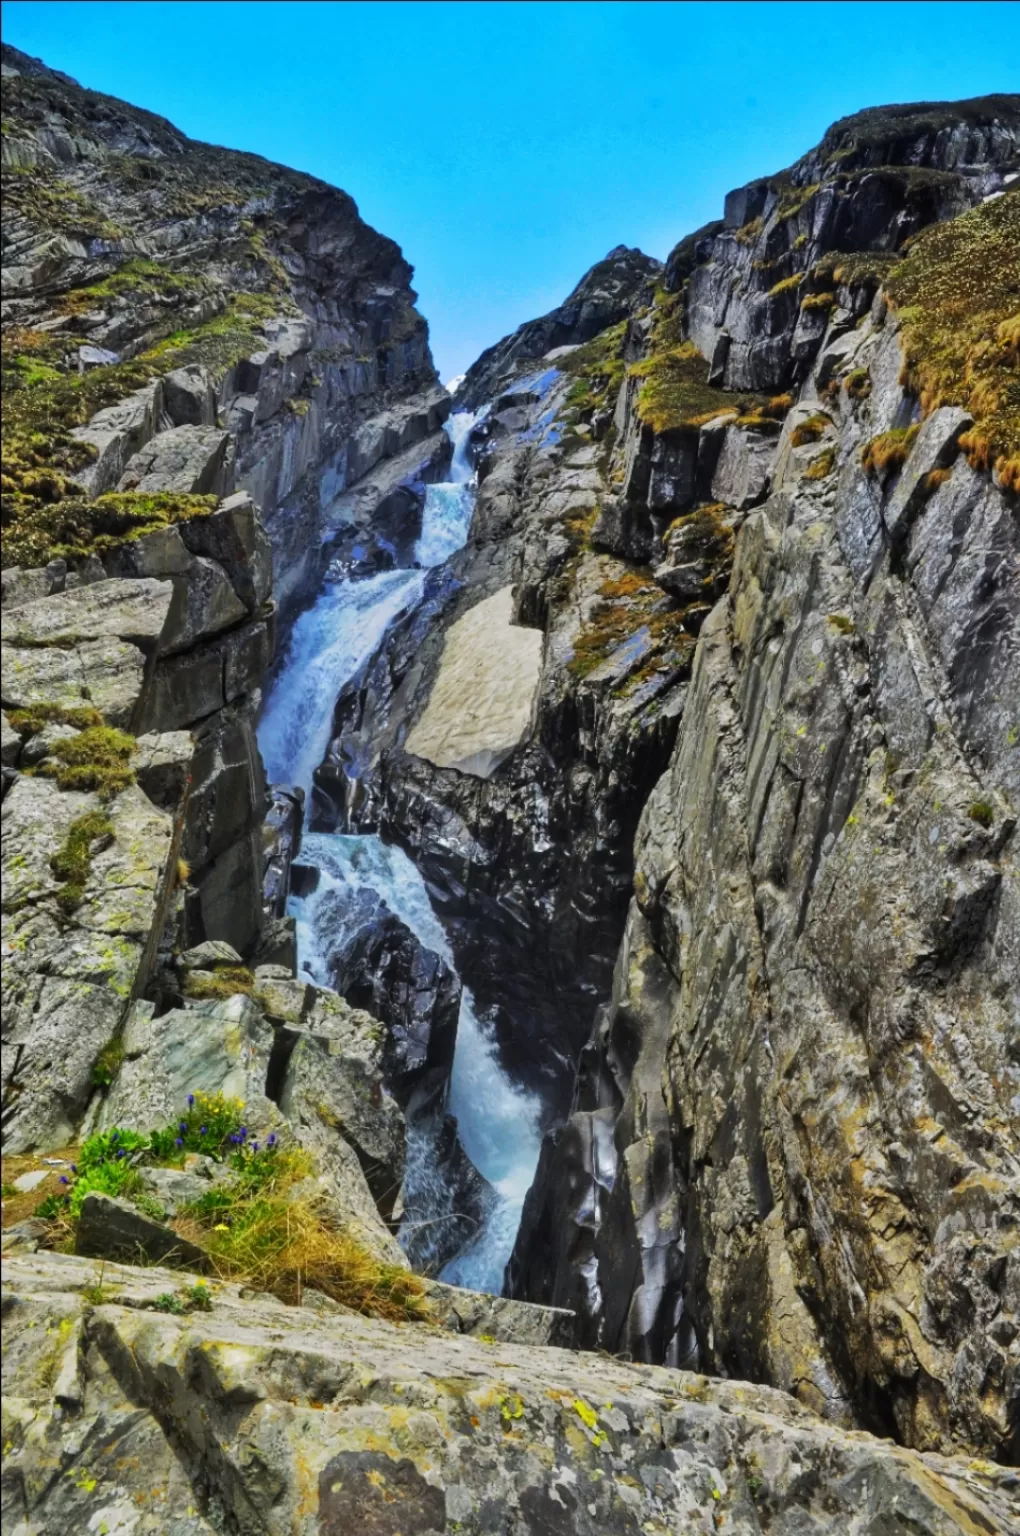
(497, 1121)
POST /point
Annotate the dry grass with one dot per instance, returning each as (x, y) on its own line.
(809, 431)
(888, 451)
(957, 295)
(675, 392)
(822, 465)
(265, 1232)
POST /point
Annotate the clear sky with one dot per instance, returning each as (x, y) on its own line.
(507, 147)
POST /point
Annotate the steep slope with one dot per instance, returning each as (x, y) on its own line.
(270, 310)
(767, 527)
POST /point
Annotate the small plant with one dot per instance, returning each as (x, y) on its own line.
(786, 285)
(821, 465)
(108, 1063)
(190, 1298)
(981, 812)
(208, 1125)
(841, 622)
(809, 431)
(888, 451)
(225, 981)
(857, 384)
(51, 1208)
(933, 479)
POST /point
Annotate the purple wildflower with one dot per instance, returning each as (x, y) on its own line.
(178, 1141)
(64, 1179)
(191, 1101)
(272, 1139)
(202, 1130)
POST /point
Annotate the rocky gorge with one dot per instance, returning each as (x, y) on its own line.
(511, 933)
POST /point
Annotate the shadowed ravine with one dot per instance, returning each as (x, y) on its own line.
(497, 1122)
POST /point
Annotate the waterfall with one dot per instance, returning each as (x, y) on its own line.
(497, 1121)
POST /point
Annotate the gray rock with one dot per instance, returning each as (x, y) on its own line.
(95, 357)
(117, 433)
(113, 1229)
(189, 398)
(192, 460)
(10, 742)
(209, 955)
(133, 611)
(936, 447)
(742, 469)
(688, 1450)
(40, 745)
(210, 1047)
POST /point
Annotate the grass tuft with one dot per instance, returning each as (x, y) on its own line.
(888, 451)
(86, 836)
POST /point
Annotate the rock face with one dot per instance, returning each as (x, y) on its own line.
(252, 350)
(793, 1149)
(606, 294)
(302, 362)
(256, 1413)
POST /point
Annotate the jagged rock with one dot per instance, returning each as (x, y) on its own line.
(68, 975)
(473, 1445)
(189, 398)
(333, 1082)
(609, 292)
(213, 953)
(109, 1228)
(936, 447)
(133, 611)
(190, 459)
(209, 1047)
(281, 843)
(444, 1199)
(742, 468)
(380, 966)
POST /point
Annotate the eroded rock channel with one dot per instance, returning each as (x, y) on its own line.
(510, 919)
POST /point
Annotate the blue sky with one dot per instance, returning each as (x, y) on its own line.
(507, 147)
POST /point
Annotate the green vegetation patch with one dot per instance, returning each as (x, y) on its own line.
(957, 294)
(225, 981)
(44, 510)
(50, 203)
(888, 451)
(675, 391)
(108, 1063)
(257, 1224)
(86, 836)
(98, 758)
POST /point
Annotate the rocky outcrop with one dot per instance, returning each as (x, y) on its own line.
(793, 1150)
(253, 1408)
(242, 324)
(609, 292)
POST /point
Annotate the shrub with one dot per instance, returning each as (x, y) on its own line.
(821, 465)
(888, 451)
(818, 301)
(810, 430)
(786, 284)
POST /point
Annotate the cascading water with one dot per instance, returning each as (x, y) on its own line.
(497, 1122)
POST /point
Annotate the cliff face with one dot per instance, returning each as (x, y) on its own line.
(794, 1148)
(265, 306)
(201, 350)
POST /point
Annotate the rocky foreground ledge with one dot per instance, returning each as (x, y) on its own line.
(250, 1416)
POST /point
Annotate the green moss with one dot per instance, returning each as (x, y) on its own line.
(98, 758)
(73, 860)
(843, 623)
(30, 721)
(981, 812)
(857, 384)
(793, 199)
(225, 981)
(49, 202)
(958, 297)
(108, 1063)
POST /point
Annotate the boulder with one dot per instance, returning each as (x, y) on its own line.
(742, 468)
(333, 1083)
(189, 399)
(117, 433)
(132, 611)
(192, 460)
(342, 1423)
(109, 1228)
(213, 1047)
